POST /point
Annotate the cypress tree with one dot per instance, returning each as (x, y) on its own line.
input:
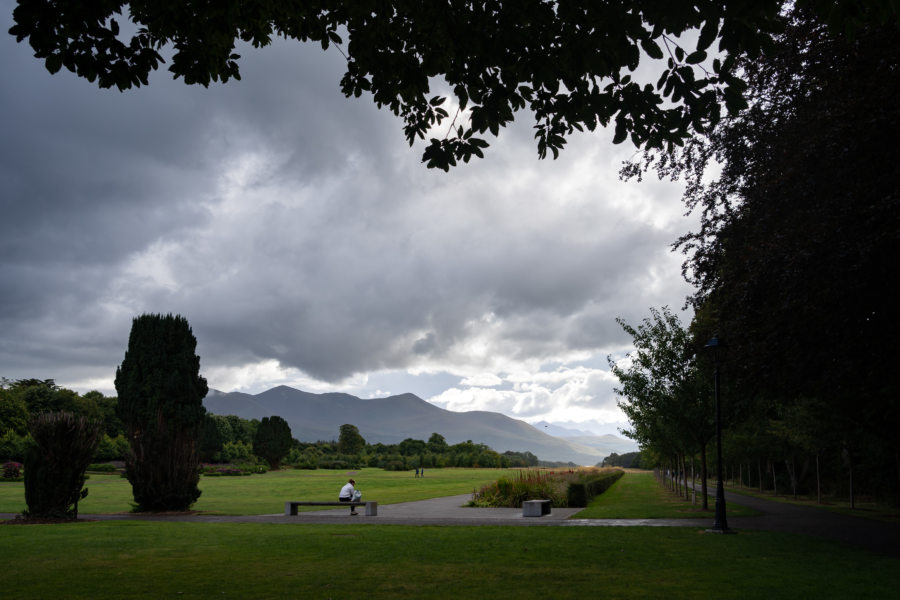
(161, 407)
(54, 466)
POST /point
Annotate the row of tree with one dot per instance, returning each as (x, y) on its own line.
(229, 438)
(800, 232)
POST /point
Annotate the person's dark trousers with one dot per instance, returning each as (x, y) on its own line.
(352, 509)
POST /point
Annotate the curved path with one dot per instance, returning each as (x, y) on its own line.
(875, 536)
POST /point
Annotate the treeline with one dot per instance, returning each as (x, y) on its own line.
(227, 439)
(231, 439)
(629, 460)
(22, 399)
(790, 265)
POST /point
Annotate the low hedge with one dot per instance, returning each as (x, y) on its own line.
(580, 494)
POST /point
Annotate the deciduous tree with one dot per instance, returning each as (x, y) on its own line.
(350, 441)
(569, 63)
(662, 390)
(800, 231)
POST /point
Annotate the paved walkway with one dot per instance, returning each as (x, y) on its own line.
(876, 536)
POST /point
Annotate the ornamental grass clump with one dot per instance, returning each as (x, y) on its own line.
(533, 484)
(571, 488)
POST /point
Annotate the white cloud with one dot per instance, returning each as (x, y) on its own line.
(562, 395)
(482, 380)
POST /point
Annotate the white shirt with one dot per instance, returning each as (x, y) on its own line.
(347, 491)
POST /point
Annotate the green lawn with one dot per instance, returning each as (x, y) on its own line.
(193, 560)
(266, 494)
(637, 495)
(139, 559)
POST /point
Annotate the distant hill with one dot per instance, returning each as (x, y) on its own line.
(606, 444)
(314, 417)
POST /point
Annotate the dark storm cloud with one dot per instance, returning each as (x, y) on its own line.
(287, 222)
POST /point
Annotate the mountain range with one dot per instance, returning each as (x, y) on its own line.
(390, 420)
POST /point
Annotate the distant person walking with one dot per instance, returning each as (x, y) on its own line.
(417, 471)
(347, 493)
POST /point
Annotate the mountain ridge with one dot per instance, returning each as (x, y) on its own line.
(390, 420)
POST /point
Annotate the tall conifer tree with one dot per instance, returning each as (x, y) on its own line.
(161, 406)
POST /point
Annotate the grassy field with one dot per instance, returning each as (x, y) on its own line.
(136, 559)
(266, 494)
(193, 560)
(638, 496)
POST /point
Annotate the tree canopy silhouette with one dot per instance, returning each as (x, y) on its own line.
(569, 63)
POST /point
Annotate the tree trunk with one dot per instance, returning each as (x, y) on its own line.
(693, 483)
(897, 461)
(852, 496)
(818, 482)
(759, 469)
(792, 475)
(704, 477)
(774, 480)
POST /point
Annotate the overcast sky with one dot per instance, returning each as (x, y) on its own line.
(307, 245)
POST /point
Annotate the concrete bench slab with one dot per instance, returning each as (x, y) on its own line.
(290, 506)
(535, 508)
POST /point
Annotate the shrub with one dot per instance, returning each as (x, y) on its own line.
(102, 468)
(12, 470)
(581, 493)
(564, 488)
(55, 464)
(327, 463)
(310, 466)
(230, 470)
(234, 452)
(111, 448)
(14, 446)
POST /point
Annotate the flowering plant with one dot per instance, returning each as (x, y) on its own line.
(12, 470)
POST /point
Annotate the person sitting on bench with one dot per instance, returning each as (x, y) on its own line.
(347, 493)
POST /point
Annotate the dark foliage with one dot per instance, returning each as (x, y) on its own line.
(160, 404)
(628, 460)
(55, 464)
(579, 494)
(798, 244)
(350, 441)
(273, 440)
(568, 63)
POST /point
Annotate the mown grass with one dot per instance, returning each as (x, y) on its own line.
(637, 495)
(266, 494)
(134, 559)
(140, 559)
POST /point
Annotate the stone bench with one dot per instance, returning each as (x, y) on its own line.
(290, 507)
(535, 508)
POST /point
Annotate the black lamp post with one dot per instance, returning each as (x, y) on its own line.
(720, 525)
